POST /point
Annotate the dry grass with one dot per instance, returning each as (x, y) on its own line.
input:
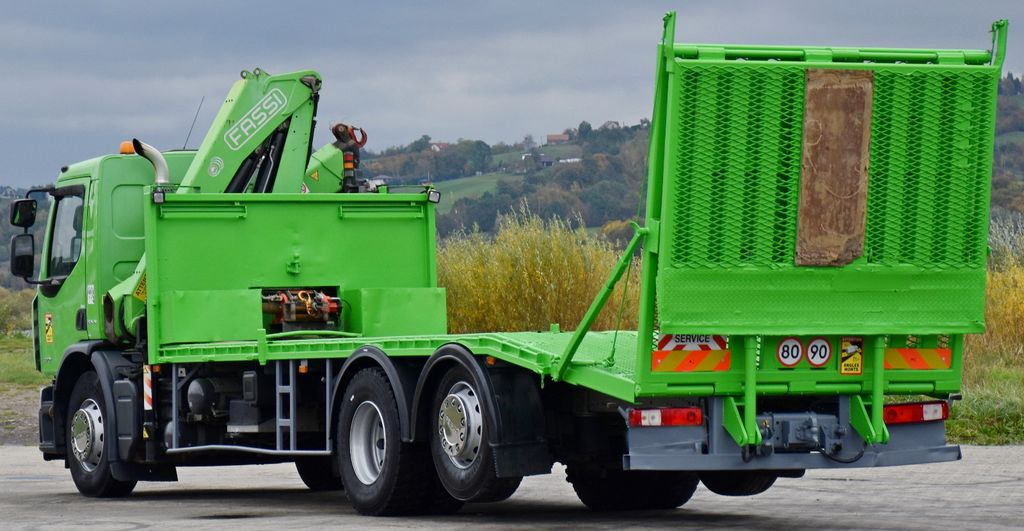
(530, 274)
(992, 411)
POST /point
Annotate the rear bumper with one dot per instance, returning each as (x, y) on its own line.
(709, 447)
(878, 455)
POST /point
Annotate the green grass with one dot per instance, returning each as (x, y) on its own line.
(991, 413)
(17, 366)
(455, 189)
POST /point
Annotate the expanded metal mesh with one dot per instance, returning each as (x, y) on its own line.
(929, 177)
(735, 187)
(734, 192)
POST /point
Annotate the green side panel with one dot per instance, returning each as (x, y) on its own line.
(395, 311)
(231, 246)
(194, 316)
(731, 192)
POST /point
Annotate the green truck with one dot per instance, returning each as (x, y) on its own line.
(813, 254)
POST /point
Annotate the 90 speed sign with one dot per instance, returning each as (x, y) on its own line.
(819, 352)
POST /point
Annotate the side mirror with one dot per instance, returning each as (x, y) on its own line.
(23, 213)
(23, 250)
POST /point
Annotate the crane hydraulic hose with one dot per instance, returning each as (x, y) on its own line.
(154, 156)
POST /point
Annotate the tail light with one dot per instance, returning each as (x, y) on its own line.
(916, 412)
(666, 416)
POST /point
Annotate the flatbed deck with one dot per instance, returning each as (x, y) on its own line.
(535, 351)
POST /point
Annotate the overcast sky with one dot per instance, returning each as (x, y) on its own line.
(77, 78)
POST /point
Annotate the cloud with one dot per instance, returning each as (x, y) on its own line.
(80, 78)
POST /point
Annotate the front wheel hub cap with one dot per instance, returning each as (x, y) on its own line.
(87, 435)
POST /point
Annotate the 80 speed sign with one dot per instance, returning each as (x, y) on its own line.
(790, 352)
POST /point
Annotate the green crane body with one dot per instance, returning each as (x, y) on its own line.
(176, 276)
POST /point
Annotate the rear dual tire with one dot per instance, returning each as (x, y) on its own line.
(738, 483)
(381, 474)
(319, 473)
(631, 490)
(460, 441)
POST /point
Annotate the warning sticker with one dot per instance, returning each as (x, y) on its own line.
(851, 356)
(140, 290)
(48, 327)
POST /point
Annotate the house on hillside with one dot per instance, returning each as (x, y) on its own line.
(570, 160)
(558, 139)
(438, 146)
(544, 160)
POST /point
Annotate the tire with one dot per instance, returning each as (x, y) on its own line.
(461, 451)
(319, 473)
(382, 475)
(618, 490)
(89, 436)
(738, 483)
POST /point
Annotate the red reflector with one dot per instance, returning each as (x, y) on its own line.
(668, 416)
(916, 412)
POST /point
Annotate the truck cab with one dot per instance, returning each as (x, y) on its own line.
(93, 240)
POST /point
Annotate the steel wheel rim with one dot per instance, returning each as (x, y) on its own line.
(87, 435)
(367, 442)
(460, 425)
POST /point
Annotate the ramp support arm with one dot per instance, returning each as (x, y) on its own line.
(558, 370)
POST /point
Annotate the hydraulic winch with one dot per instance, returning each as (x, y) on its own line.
(304, 309)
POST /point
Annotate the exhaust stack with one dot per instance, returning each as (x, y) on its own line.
(154, 156)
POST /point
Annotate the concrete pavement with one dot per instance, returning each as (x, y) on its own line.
(984, 491)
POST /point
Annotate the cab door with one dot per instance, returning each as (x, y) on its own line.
(62, 297)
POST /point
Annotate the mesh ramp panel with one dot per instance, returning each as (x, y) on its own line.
(730, 203)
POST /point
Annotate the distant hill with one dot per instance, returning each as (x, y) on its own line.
(9, 192)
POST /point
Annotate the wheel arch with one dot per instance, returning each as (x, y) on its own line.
(514, 410)
(401, 375)
(444, 358)
(77, 360)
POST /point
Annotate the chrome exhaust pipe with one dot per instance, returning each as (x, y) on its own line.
(154, 156)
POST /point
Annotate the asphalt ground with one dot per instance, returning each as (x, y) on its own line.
(983, 491)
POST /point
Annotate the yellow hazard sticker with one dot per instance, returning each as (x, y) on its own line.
(140, 289)
(315, 175)
(48, 327)
(851, 356)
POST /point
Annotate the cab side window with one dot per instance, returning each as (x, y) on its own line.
(66, 241)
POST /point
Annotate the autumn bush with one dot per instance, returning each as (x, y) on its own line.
(532, 273)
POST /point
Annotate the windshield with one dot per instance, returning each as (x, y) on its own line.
(66, 241)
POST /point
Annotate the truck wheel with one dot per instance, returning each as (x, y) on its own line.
(381, 474)
(318, 473)
(460, 443)
(738, 482)
(618, 490)
(89, 436)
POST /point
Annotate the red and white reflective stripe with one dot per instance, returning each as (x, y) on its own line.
(147, 388)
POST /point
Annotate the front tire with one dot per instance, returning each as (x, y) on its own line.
(89, 436)
(631, 490)
(382, 475)
(460, 442)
